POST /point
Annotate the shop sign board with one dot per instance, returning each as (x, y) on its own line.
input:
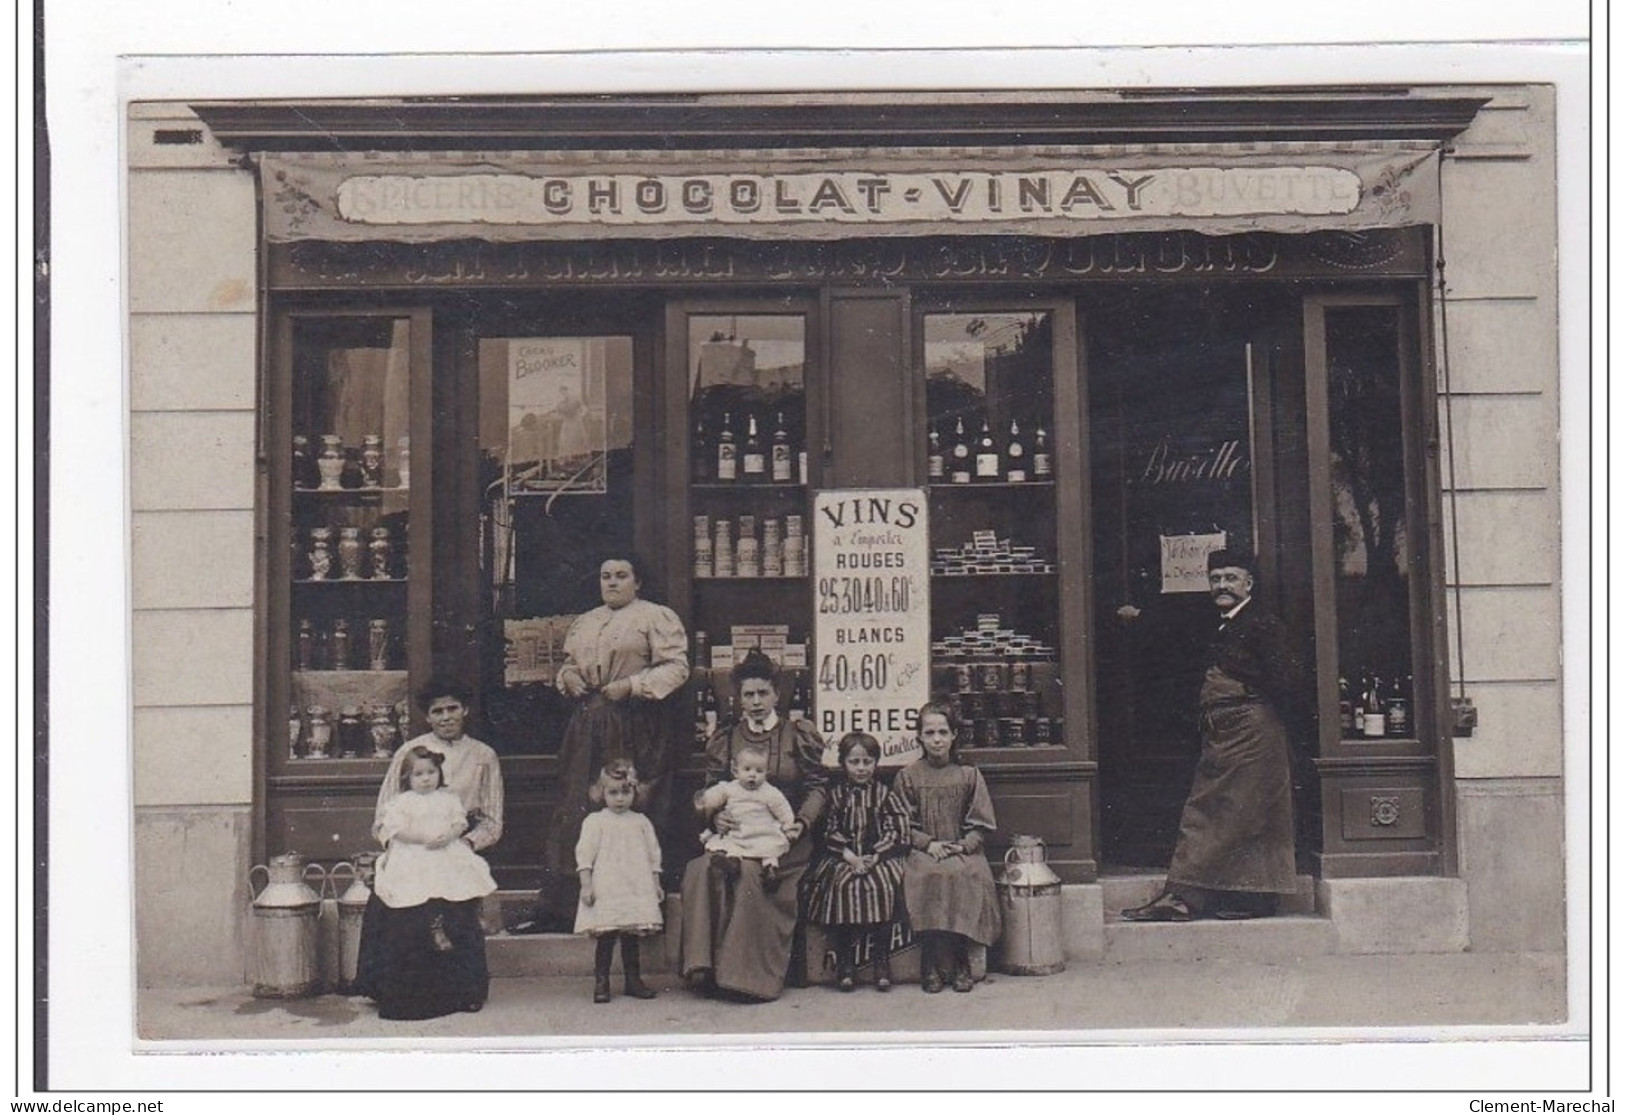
(847, 197)
(871, 565)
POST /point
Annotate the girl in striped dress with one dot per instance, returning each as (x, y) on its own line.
(854, 886)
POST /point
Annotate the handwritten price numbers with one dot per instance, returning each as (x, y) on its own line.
(846, 596)
(838, 673)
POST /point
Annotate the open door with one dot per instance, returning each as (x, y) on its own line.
(1183, 426)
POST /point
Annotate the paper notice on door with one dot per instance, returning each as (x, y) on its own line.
(1184, 560)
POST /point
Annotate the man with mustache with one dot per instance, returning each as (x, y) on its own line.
(1234, 857)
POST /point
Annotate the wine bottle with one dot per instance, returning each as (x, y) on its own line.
(754, 460)
(700, 455)
(1345, 708)
(727, 460)
(987, 455)
(1041, 460)
(781, 452)
(1375, 723)
(959, 455)
(1015, 456)
(705, 714)
(1356, 722)
(798, 700)
(1399, 708)
(933, 455)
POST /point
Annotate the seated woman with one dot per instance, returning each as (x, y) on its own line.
(738, 931)
(422, 955)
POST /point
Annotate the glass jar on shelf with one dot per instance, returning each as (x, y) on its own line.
(320, 737)
(321, 553)
(372, 461)
(378, 547)
(330, 465)
(350, 551)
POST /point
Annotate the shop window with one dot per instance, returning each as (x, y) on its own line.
(557, 483)
(1373, 555)
(990, 409)
(351, 557)
(748, 494)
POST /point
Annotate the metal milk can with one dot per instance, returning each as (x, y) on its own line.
(352, 907)
(284, 929)
(1030, 900)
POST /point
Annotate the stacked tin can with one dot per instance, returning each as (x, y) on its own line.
(772, 549)
(703, 553)
(748, 555)
(795, 547)
(995, 687)
(722, 549)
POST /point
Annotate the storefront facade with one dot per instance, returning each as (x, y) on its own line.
(411, 391)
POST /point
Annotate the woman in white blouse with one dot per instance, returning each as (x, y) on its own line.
(622, 661)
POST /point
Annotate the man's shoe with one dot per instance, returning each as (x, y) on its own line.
(636, 988)
(883, 975)
(600, 989)
(1241, 914)
(962, 980)
(1164, 907)
(931, 983)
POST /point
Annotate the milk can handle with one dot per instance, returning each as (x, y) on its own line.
(333, 875)
(1008, 852)
(321, 887)
(258, 867)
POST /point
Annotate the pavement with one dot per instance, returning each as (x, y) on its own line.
(1525, 990)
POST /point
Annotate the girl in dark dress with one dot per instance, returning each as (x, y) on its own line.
(853, 888)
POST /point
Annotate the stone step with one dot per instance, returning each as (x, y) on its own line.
(1278, 938)
(1119, 892)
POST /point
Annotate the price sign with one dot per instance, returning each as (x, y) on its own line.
(871, 594)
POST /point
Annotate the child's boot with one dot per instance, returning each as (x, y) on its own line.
(601, 960)
(846, 976)
(930, 978)
(631, 966)
(882, 966)
(962, 980)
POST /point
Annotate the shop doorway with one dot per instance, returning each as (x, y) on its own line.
(1187, 430)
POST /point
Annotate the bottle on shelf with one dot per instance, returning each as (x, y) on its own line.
(305, 646)
(700, 452)
(702, 651)
(1345, 707)
(987, 456)
(1374, 722)
(1355, 725)
(800, 708)
(1398, 712)
(933, 456)
(1015, 456)
(705, 714)
(727, 452)
(338, 647)
(753, 461)
(959, 466)
(1042, 467)
(295, 730)
(301, 461)
(782, 470)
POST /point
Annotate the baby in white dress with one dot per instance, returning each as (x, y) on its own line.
(424, 857)
(760, 814)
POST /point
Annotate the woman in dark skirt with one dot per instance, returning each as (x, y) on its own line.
(621, 661)
(428, 959)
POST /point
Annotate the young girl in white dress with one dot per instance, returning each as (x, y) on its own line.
(424, 859)
(618, 861)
